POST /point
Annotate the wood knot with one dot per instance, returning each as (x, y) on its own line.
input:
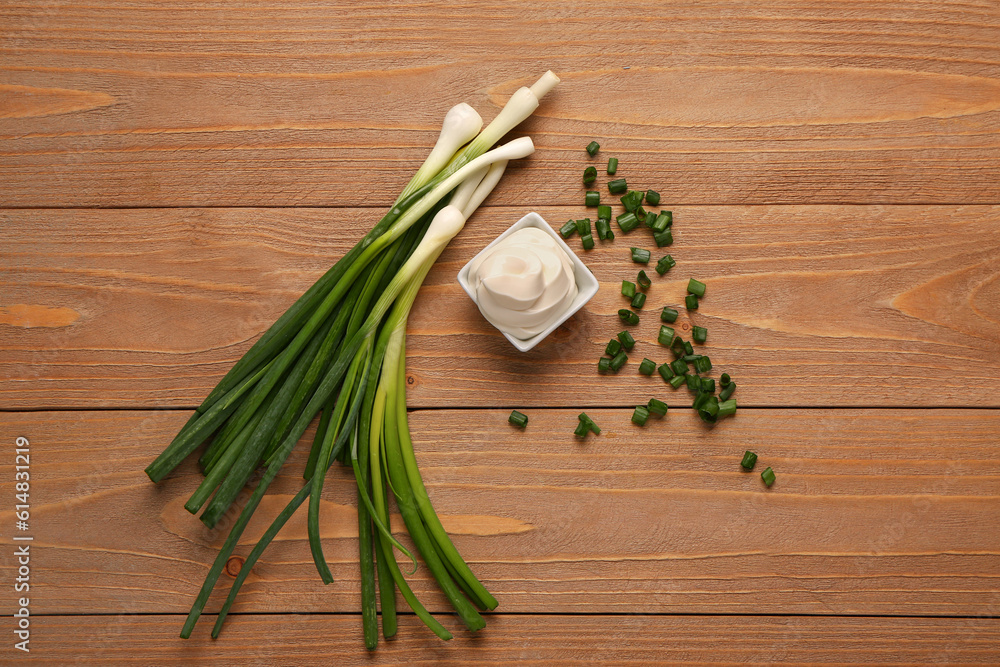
(234, 565)
(685, 326)
(410, 380)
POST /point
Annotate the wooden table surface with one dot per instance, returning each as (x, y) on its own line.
(174, 174)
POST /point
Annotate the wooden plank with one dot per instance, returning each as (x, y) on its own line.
(149, 308)
(282, 104)
(548, 640)
(889, 512)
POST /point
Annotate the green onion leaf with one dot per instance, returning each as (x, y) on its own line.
(617, 186)
(568, 229)
(626, 339)
(653, 197)
(647, 366)
(640, 415)
(696, 287)
(665, 372)
(691, 302)
(749, 460)
(643, 280)
(628, 317)
(518, 419)
(612, 166)
(640, 255)
(628, 289)
(639, 300)
(666, 336)
(768, 476)
(699, 334)
(613, 347)
(592, 198)
(592, 148)
(657, 407)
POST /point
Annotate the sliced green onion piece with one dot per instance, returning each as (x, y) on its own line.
(518, 419)
(696, 287)
(665, 372)
(663, 238)
(666, 336)
(612, 166)
(588, 241)
(639, 300)
(627, 222)
(677, 347)
(643, 280)
(582, 429)
(626, 338)
(628, 317)
(679, 366)
(677, 381)
(640, 415)
(647, 366)
(688, 349)
(660, 224)
(603, 229)
(603, 365)
(657, 407)
(640, 255)
(640, 213)
(668, 314)
(604, 211)
(583, 226)
(709, 409)
(703, 364)
(691, 302)
(708, 385)
(727, 408)
(613, 347)
(617, 186)
(691, 358)
(589, 175)
(665, 264)
(568, 229)
(724, 379)
(768, 476)
(631, 200)
(653, 197)
(628, 289)
(618, 361)
(592, 198)
(727, 391)
(693, 383)
(591, 424)
(749, 460)
(592, 148)
(699, 334)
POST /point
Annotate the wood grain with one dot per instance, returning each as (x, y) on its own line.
(529, 640)
(807, 305)
(889, 512)
(291, 104)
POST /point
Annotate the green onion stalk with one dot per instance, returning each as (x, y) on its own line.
(339, 353)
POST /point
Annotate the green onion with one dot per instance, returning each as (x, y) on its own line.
(660, 224)
(657, 407)
(589, 175)
(663, 238)
(592, 148)
(727, 391)
(631, 200)
(617, 186)
(568, 229)
(639, 300)
(628, 289)
(653, 197)
(665, 372)
(640, 213)
(643, 280)
(583, 226)
(666, 336)
(677, 347)
(604, 212)
(603, 365)
(592, 198)
(626, 339)
(688, 349)
(749, 460)
(518, 419)
(724, 379)
(613, 347)
(612, 166)
(668, 315)
(703, 365)
(677, 380)
(627, 222)
(590, 424)
(582, 429)
(679, 366)
(665, 264)
(640, 415)
(699, 334)
(693, 383)
(709, 409)
(768, 476)
(640, 255)
(627, 316)
(647, 366)
(588, 241)
(691, 302)
(691, 358)
(696, 287)
(708, 385)
(618, 361)
(727, 408)
(604, 230)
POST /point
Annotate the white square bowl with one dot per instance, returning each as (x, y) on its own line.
(586, 283)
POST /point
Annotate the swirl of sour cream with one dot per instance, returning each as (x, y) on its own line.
(524, 283)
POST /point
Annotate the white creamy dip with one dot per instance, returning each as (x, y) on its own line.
(524, 283)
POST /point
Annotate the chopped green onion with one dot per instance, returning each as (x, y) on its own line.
(518, 419)
(670, 217)
(588, 241)
(628, 289)
(708, 410)
(627, 222)
(592, 148)
(666, 336)
(617, 186)
(665, 264)
(613, 347)
(691, 302)
(632, 200)
(583, 226)
(693, 383)
(626, 338)
(643, 280)
(604, 211)
(640, 255)
(603, 365)
(568, 229)
(660, 224)
(749, 460)
(703, 365)
(589, 175)
(679, 366)
(653, 197)
(604, 230)
(668, 314)
(691, 358)
(727, 408)
(612, 166)
(592, 198)
(708, 385)
(639, 300)
(677, 381)
(647, 366)
(640, 415)
(618, 361)
(591, 424)
(696, 287)
(582, 429)
(677, 347)
(699, 334)
(665, 372)
(768, 476)
(724, 379)
(628, 317)
(727, 391)
(663, 238)
(687, 347)
(640, 213)
(657, 407)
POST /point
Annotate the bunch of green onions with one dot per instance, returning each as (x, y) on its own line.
(339, 352)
